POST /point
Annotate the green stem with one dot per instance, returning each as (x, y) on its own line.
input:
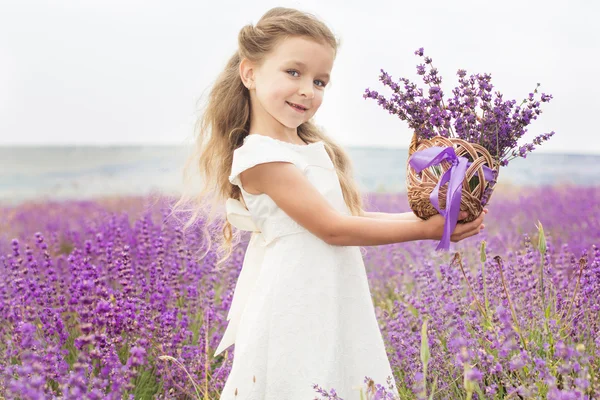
(498, 260)
(485, 297)
(546, 328)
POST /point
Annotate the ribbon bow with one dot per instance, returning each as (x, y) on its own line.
(240, 217)
(455, 175)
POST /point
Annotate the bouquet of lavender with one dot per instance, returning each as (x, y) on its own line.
(461, 141)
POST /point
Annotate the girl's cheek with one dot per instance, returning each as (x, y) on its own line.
(319, 99)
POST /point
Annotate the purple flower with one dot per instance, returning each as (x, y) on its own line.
(148, 296)
(472, 113)
(27, 332)
(474, 375)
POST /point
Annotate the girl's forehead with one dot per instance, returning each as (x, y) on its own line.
(305, 52)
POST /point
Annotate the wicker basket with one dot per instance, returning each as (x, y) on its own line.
(421, 184)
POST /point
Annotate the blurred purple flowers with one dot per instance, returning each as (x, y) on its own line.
(471, 114)
(112, 304)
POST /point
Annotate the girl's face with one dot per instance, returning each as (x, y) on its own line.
(295, 72)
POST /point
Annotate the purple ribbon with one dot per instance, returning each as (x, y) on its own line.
(455, 175)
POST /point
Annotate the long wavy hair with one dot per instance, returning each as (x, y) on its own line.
(225, 123)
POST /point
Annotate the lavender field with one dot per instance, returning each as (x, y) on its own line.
(108, 299)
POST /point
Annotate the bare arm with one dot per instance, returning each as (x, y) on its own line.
(297, 197)
(397, 216)
(366, 231)
(412, 225)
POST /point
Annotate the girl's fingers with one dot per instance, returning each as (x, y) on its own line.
(468, 232)
(477, 230)
(463, 231)
(463, 214)
(471, 226)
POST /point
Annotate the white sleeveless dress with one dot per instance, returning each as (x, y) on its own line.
(302, 311)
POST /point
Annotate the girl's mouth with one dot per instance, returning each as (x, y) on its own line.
(297, 108)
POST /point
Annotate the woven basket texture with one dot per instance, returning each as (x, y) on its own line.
(420, 184)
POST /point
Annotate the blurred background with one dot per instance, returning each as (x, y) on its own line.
(99, 98)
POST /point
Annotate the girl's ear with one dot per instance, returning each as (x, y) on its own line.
(247, 73)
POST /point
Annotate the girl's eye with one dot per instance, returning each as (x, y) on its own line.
(318, 80)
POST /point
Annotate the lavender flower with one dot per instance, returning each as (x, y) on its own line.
(90, 303)
(472, 113)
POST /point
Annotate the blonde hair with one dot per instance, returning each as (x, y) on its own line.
(226, 122)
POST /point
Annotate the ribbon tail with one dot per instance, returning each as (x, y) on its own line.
(453, 199)
(488, 173)
(246, 283)
(434, 195)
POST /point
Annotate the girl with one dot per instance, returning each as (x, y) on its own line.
(302, 312)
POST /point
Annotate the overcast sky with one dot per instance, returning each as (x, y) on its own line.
(122, 72)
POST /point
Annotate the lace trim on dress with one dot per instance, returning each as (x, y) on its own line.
(292, 145)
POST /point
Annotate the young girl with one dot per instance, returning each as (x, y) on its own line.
(302, 311)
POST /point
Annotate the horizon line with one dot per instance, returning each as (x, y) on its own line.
(158, 144)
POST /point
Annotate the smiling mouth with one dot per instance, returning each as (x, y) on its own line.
(297, 106)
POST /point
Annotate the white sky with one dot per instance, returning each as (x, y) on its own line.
(122, 72)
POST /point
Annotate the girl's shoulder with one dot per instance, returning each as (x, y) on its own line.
(257, 149)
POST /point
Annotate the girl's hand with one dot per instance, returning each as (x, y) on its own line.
(435, 227)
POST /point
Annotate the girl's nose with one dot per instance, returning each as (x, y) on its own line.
(307, 90)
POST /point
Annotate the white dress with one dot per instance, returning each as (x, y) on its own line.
(302, 311)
